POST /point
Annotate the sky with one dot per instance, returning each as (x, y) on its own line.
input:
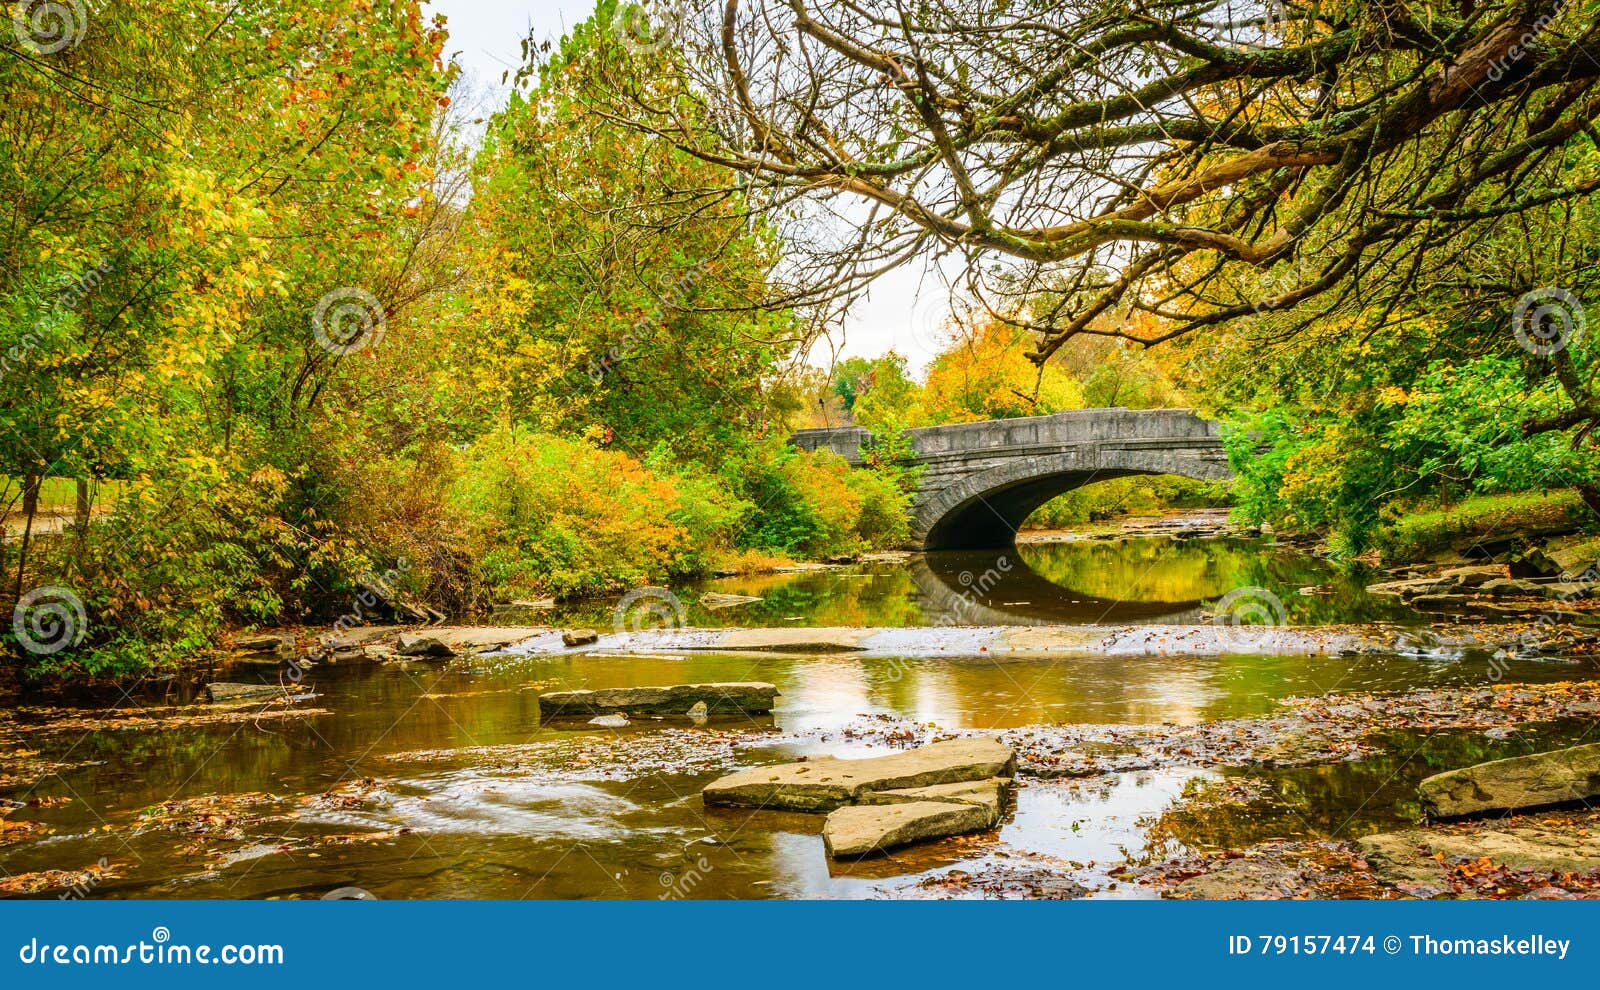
(904, 311)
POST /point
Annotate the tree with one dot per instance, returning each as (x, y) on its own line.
(985, 374)
(616, 267)
(1159, 156)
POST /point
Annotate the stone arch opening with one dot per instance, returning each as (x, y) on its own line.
(985, 510)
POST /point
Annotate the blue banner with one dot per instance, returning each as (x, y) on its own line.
(169, 944)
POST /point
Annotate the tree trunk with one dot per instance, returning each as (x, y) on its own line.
(30, 507)
(80, 516)
(1591, 497)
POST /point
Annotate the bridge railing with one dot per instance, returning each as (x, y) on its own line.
(1076, 426)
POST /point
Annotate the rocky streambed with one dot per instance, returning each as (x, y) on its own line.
(1159, 748)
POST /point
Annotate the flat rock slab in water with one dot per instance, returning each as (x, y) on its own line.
(990, 795)
(274, 645)
(719, 699)
(1426, 857)
(866, 830)
(1559, 777)
(224, 691)
(827, 783)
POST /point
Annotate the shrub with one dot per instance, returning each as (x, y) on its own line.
(181, 556)
(562, 517)
(815, 504)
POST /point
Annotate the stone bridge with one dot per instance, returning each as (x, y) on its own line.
(980, 481)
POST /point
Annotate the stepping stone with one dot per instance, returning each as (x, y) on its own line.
(866, 830)
(990, 795)
(753, 698)
(827, 783)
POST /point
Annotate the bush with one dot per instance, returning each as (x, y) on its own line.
(815, 504)
(561, 517)
(158, 580)
(390, 514)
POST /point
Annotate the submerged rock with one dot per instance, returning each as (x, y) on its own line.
(1254, 879)
(865, 830)
(827, 783)
(752, 698)
(714, 600)
(1558, 777)
(1422, 859)
(610, 721)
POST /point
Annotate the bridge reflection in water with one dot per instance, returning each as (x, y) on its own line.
(966, 588)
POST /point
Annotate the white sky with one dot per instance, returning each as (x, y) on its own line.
(903, 312)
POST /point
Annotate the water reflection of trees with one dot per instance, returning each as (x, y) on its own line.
(1175, 570)
(1339, 801)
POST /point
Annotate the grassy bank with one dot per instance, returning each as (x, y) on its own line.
(1429, 531)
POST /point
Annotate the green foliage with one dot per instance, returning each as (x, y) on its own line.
(814, 504)
(614, 271)
(189, 553)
